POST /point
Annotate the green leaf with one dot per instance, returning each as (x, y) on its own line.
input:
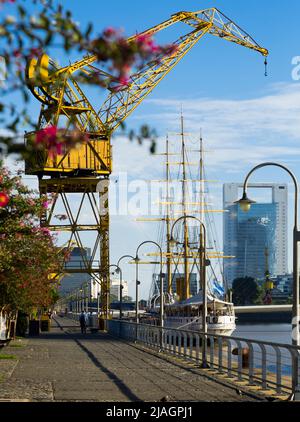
(21, 11)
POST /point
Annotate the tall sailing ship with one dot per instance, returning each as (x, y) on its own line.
(187, 260)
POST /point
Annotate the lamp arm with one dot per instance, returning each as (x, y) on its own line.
(288, 171)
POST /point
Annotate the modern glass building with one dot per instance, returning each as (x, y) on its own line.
(256, 237)
(74, 280)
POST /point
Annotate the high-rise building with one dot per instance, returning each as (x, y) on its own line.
(255, 238)
(73, 280)
(114, 288)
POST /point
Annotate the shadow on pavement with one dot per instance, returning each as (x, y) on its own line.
(93, 337)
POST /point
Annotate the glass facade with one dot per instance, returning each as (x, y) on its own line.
(74, 280)
(256, 235)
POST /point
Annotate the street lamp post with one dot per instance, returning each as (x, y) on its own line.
(81, 299)
(245, 204)
(121, 281)
(98, 303)
(119, 271)
(203, 264)
(87, 298)
(161, 282)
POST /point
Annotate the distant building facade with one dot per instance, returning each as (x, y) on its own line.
(284, 283)
(73, 281)
(175, 276)
(249, 235)
(114, 288)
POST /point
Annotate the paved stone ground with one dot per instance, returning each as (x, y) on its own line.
(65, 365)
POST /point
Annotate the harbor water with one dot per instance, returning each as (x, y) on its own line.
(277, 333)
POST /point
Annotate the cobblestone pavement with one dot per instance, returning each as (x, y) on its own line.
(65, 365)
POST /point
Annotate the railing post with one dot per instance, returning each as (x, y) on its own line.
(220, 347)
(212, 351)
(170, 340)
(240, 360)
(229, 359)
(179, 343)
(174, 339)
(204, 352)
(264, 366)
(251, 362)
(197, 348)
(278, 369)
(191, 337)
(184, 344)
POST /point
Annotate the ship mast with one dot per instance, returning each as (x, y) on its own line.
(201, 216)
(168, 222)
(184, 212)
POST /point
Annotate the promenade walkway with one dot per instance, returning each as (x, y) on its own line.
(65, 365)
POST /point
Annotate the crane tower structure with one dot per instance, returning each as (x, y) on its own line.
(79, 171)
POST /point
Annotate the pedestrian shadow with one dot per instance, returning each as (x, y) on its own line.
(117, 381)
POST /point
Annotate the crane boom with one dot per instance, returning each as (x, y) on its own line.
(221, 25)
(120, 104)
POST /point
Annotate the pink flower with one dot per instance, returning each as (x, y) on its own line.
(17, 53)
(30, 202)
(142, 38)
(4, 171)
(35, 52)
(124, 81)
(47, 135)
(4, 199)
(45, 231)
(109, 32)
(146, 43)
(45, 204)
(50, 140)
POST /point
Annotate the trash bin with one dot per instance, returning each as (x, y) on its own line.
(34, 327)
(93, 323)
(101, 324)
(245, 356)
(45, 324)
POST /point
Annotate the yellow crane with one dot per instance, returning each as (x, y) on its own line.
(64, 104)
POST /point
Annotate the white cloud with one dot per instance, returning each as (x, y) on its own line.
(245, 131)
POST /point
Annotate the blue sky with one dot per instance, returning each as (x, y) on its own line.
(245, 117)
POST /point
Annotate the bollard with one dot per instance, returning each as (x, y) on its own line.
(101, 324)
(245, 356)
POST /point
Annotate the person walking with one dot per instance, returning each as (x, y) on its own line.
(83, 322)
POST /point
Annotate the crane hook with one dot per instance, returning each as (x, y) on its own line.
(266, 67)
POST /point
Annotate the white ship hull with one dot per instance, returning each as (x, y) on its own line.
(222, 325)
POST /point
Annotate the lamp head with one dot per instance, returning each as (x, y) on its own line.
(245, 203)
(172, 241)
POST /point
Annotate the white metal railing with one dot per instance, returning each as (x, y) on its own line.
(265, 364)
